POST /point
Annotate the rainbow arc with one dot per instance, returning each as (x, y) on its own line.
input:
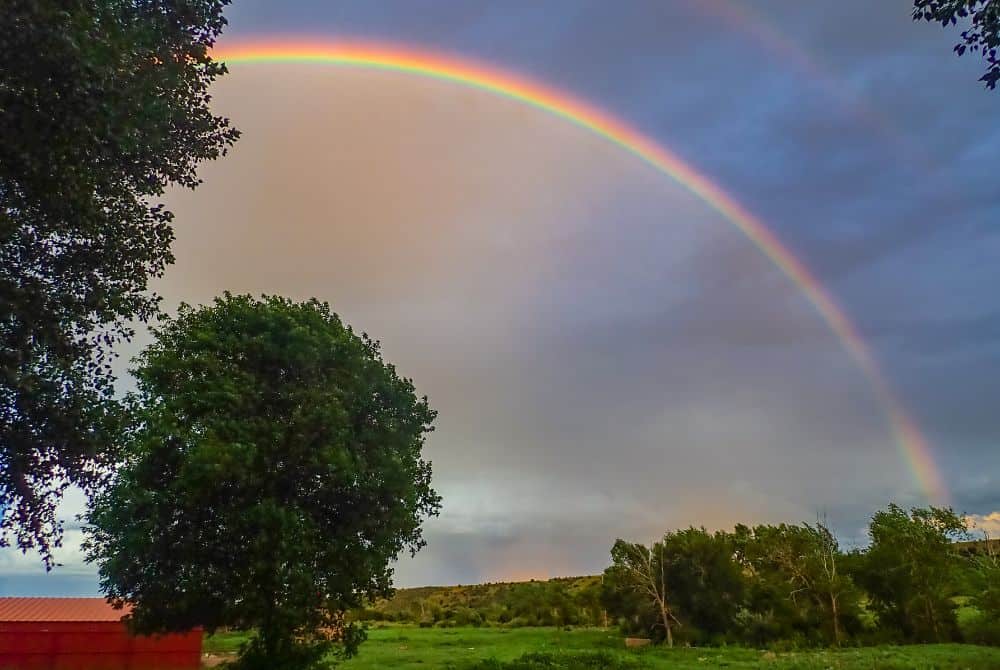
(913, 447)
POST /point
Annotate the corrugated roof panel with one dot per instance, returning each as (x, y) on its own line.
(59, 609)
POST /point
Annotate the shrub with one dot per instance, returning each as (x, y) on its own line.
(983, 630)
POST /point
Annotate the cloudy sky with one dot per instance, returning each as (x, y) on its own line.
(609, 356)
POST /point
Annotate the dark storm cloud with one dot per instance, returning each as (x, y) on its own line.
(609, 357)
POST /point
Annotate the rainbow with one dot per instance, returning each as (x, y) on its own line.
(743, 17)
(913, 446)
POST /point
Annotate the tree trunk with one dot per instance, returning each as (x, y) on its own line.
(932, 615)
(267, 632)
(666, 623)
(836, 619)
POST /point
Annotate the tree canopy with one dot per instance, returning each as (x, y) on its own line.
(986, 585)
(800, 587)
(273, 471)
(793, 584)
(104, 104)
(982, 35)
(779, 587)
(636, 589)
(908, 570)
(687, 581)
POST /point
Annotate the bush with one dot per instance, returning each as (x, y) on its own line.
(982, 629)
(466, 616)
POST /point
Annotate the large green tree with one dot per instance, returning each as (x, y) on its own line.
(981, 34)
(103, 104)
(799, 585)
(909, 569)
(636, 592)
(274, 471)
(689, 580)
(706, 581)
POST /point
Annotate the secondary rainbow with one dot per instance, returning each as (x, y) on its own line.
(913, 446)
(745, 18)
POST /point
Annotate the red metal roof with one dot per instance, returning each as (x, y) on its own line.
(59, 609)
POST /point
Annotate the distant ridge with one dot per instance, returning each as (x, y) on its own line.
(979, 546)
(556, 601)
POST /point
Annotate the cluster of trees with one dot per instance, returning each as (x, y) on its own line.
(766, 585)
(794, 584)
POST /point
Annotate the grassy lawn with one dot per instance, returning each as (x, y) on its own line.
(408, 648)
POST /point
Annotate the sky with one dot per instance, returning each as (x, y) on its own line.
(608, 355)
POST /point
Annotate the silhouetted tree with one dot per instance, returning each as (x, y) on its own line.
(103, 104)
(982, 34)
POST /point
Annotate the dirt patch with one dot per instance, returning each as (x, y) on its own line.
(215, 660)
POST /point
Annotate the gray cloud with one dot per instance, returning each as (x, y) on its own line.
(584, 326)
(608, 355)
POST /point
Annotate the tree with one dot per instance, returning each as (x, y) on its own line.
(981, 36)
(988, 570)
(588, 599)
(799, 580)
(909, 568)
(688, 577)
(104, 104)
(273, 471)
(705, 581)
(985, 582)
(640, 570)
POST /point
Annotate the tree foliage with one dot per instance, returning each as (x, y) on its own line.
(986, 590)
(799, 587)
(784, 586)
(907, 571)
(707, 582)
(637, 592)
(982, 34)
(104, 104)
(274, 470)
(688, 581)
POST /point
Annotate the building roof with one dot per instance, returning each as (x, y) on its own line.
(59, 609)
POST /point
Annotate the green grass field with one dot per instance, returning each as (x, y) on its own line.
(410, 647)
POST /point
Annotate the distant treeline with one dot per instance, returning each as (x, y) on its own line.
(565, 601)
(768, 586)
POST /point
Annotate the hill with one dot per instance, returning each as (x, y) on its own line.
(554, 602)
(976, 547)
